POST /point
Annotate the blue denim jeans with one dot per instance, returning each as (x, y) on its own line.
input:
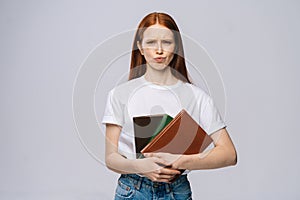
(132, 186)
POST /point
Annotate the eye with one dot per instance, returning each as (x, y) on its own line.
(167, 42)
(150, 42)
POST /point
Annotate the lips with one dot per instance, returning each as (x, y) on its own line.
(160, 59)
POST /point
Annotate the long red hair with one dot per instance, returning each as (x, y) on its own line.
(138, 62)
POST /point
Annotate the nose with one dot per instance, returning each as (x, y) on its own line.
(159, 49)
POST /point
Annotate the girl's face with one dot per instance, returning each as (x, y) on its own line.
(157, 46)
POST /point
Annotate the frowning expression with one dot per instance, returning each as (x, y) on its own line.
(157, 46)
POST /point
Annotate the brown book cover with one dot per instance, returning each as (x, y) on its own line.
(183, 135)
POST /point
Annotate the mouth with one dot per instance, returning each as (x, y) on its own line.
(160, 59)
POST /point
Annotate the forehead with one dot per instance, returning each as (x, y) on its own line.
(158, 32)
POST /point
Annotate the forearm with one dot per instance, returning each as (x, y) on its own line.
(113, 160)
(217, 157)
(121, 165)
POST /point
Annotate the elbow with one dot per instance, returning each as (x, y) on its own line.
(230, 158)
(233, 158)
(108, 163)
(110, 168)
(111, 164)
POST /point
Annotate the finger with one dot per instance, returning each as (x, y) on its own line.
(162, 177)
(162, 155)
(165, 176)
(158, 155)
(169, 171)
(147, 155)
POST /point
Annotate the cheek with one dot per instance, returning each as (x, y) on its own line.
(170, 58)
(170, 50)
(148, 52)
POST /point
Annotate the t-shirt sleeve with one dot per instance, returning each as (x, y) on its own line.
(211, 118)
(113, 113)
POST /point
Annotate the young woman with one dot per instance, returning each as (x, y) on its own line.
(159, 84)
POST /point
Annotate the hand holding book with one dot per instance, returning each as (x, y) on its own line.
(156, 169)
(180, 136)
(169, 158)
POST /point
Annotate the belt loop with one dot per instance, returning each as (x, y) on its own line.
(138, 183)
(168, 189)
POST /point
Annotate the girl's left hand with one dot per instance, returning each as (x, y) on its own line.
(173, 160)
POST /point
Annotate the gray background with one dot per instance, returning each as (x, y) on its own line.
(255, 45)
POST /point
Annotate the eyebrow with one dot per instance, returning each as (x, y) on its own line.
(150, 39)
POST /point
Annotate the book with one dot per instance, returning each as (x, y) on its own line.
(146, 128)
(183, 135)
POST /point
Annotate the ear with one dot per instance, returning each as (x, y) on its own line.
(140, 47)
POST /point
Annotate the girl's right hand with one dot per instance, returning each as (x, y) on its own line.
(155, 169)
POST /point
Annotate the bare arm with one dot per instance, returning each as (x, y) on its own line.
(222, 155)
(114, 161)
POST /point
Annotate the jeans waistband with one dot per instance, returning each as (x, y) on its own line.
(138, 180)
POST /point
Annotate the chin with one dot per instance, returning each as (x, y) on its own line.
(158, 66)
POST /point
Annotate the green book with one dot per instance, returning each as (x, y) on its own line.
(146, 128)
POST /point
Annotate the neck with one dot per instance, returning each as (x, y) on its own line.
(160, 77)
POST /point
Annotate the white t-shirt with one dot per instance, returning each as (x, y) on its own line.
(138, 97)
